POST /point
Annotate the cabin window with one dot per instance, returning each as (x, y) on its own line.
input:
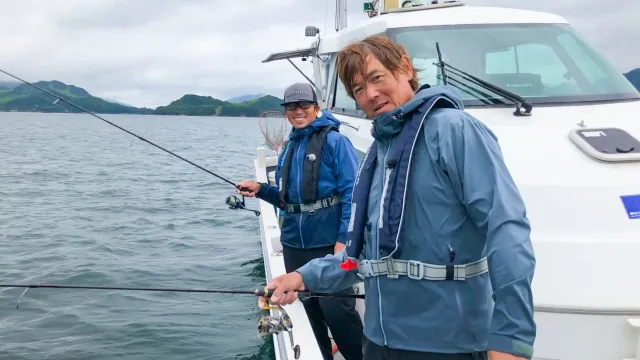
(587, 65)
(341, 102)
(341, 99)
(536, 59)
(546, 63)
(427, 73)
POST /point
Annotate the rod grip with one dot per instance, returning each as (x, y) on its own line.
(268, 292)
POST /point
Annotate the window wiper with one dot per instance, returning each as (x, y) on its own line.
(523, 107)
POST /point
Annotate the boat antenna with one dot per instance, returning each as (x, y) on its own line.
(119, 127)
(341, 15)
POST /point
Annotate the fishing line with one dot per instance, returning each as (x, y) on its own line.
(121, 128)
(257, 292)
(267, 325)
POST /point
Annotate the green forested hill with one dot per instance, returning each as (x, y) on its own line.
(24, 98)
(208, 106)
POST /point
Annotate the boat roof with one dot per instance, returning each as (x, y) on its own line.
(445, 14)
(434, 16)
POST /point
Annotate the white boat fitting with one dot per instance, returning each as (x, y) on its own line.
(302, 333)
(575, 157)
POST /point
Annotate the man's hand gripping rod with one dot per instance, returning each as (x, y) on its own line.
(269, 325)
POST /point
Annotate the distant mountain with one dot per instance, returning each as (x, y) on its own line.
(246, 97)
(634, 77)
(24, 98)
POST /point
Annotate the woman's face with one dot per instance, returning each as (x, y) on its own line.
(301, 114)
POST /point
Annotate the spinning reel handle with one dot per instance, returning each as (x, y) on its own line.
(236, 204)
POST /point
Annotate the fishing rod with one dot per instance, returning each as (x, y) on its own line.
(267, 325)
(237, 203)
(258, 292)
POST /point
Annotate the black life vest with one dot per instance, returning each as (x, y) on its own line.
(310, 168)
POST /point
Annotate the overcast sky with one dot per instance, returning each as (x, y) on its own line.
(150, 52)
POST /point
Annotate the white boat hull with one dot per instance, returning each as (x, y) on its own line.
(583, 309)
(274, 266)
(586, 290)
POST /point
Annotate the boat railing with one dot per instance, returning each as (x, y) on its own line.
(268, 211)
(274, 266)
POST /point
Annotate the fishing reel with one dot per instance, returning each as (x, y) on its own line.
(274, 325)
(236, 204)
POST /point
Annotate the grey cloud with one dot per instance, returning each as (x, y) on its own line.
(150, 52)
(118, 14)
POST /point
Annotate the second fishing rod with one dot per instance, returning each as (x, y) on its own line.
(266, 292)
(233, 202)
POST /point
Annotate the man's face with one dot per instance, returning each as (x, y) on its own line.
(380, 91)
(301, 114)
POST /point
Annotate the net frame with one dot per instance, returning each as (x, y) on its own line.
(274, 132)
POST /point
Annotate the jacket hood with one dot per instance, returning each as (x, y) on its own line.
(325, 119)
(390, 123)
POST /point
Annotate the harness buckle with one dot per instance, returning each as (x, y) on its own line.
(391, 270)
(413, 264)
(366, 268)
(312, 209)
(449, 272)
(460, 273)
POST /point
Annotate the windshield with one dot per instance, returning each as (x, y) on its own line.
(544, 63)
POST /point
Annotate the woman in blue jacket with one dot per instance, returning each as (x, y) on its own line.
(315, 176)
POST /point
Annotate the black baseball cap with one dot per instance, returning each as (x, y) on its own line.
(299, 92)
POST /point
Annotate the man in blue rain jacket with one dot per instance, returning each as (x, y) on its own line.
(315, 175)
(438, 225)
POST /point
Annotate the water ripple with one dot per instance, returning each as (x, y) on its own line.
(84, 203)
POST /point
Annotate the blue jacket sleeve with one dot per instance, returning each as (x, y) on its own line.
(325, 275)
(269, 194)
(474, 162)
(345, 166)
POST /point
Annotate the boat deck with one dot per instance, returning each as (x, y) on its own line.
(302, 332)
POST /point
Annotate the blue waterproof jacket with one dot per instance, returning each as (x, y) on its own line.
(460, 195)
(336, 176)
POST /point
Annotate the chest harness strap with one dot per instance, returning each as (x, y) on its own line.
(416, 270)
(310, 174)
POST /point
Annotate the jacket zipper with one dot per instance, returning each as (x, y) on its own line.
(299, 194)
(387, 177)
(384, 336)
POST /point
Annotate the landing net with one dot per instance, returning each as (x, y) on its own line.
(273, 126)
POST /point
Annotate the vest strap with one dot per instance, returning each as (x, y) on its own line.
(309, 167)
(422, 271)
(311, 208)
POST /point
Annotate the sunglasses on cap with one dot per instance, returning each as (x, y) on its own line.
(304, 105)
